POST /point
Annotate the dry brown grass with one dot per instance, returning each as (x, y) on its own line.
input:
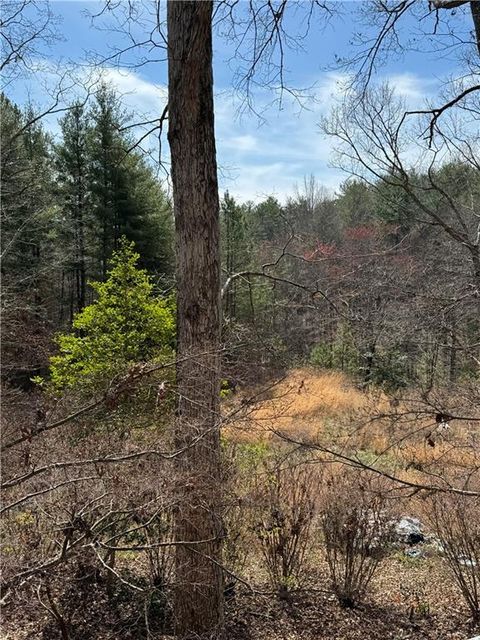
(326, 408)
(303, 404)
(445, 453)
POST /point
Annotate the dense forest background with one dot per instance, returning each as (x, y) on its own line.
(358, 280)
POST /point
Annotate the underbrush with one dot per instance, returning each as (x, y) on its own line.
(93, 559)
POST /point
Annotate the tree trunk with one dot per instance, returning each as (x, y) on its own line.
(199, 580)
(81, 267)
(80, 240)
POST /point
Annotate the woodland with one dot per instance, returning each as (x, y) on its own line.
(233, 419)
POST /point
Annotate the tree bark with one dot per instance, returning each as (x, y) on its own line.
(199, 579)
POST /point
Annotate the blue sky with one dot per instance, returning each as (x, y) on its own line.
(257, 156)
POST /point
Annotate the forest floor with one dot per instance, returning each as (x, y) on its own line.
(410, 599)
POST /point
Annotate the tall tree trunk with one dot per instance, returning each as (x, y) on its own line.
(81, 266)
(199, 597)
(80, 233)
(229, 265)
(453, 365)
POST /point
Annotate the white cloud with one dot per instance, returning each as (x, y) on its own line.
(246, 142)
(137, 93)
(270, 155)
(330, 88)
(267, 155)
(256, 182)
(412, 87)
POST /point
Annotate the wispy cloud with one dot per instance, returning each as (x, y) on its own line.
(263, 155)
(412, 87)
(270, 154)
(138, 93)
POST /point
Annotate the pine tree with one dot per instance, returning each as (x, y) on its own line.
(126, 197)
(149, 222)
(28, 213)
(126, 324)
(235, 245)
(72, 162)
(268, 221)
(107, 175)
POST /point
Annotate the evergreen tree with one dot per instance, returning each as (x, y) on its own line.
(268, 221)
(150, 220)
(126, 197)
(28, 211)
(356, 204)
(73, 176)
(235, 246)
(108, 178)
(126, 324)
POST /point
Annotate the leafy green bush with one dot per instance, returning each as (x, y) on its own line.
(127, 323)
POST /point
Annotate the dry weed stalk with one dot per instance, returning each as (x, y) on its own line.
(286, 498)
(357, 530)
(456, 522)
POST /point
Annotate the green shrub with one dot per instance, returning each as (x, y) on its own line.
(126, 324)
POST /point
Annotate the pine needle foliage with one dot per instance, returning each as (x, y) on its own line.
(126, 324)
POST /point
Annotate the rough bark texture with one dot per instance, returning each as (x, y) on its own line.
(199, 598)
